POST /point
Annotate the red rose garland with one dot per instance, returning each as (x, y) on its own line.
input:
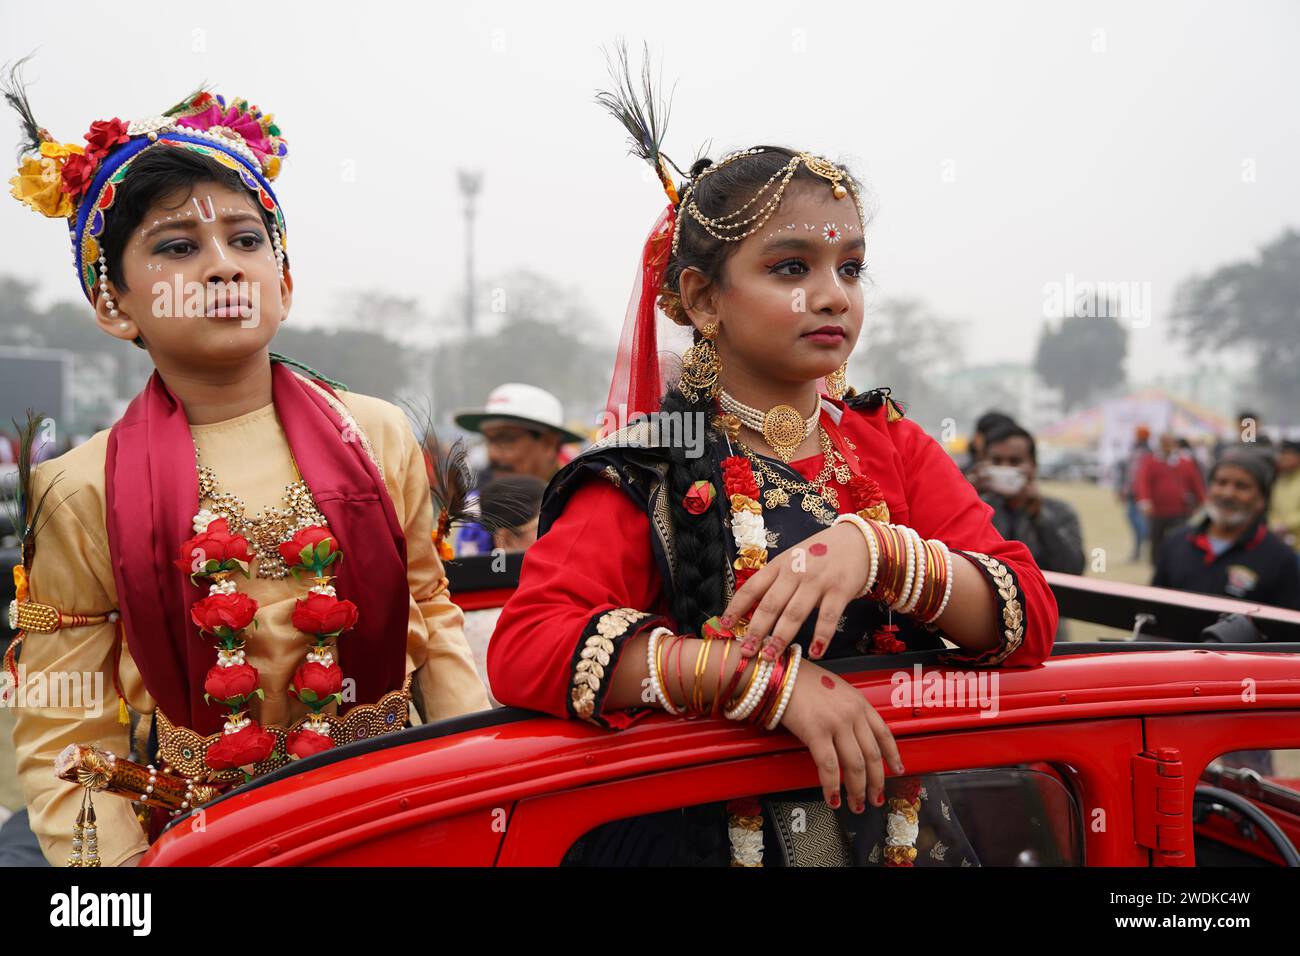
(216, 554)
(318, 682)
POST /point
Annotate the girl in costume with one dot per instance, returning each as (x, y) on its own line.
(247, 556)
(816, 524)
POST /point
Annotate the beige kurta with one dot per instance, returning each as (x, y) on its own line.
(71, 571)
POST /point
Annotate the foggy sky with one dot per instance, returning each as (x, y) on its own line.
(1006, 145)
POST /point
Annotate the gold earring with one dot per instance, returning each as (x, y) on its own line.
(700, 367)
(837, 383)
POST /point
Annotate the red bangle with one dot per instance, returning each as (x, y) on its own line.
(760, 713)
(735, 681)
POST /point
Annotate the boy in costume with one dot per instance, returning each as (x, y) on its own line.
(192, 556)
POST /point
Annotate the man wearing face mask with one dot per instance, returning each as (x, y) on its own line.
(1049, 527)
(1232, 552)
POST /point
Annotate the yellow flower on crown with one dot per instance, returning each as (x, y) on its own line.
(38, 181)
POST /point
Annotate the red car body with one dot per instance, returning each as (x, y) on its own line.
(1127, 729)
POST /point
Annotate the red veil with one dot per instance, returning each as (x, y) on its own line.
(637, 384)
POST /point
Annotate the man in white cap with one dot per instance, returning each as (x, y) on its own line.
(523, 426)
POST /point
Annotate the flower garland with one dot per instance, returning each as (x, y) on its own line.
(216, 554)
(902, 825)
(750, 535)
(747, 527)
(318, 682)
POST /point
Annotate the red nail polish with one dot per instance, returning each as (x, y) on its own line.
(859, 808)
(835, 801)
(726, 620)
(879, 800)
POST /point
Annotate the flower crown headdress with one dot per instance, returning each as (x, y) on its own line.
(79, 183)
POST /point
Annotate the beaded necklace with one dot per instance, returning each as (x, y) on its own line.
(268, 529)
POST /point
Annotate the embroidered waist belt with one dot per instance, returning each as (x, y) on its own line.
(182, 750)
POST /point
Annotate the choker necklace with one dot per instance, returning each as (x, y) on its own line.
(781, 426)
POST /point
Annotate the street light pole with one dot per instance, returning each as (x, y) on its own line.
(470, 183)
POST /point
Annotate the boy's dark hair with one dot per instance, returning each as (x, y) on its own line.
(156, 173)
(1001, 433)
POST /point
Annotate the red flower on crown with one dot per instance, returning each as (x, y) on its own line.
(78, 171)
(104, 135)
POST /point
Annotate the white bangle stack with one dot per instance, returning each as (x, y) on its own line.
(789, 687)
(755, 694)
(873, 548)
(652, 664)
(906, 590)
(918, 549)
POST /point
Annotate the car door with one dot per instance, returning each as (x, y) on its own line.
(1087, 760)
(1192, 743)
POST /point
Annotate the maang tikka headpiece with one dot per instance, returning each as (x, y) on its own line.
(730, 227)
(636, 385)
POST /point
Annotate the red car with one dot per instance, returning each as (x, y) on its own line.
(1111, 754)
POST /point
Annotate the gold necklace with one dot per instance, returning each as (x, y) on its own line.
(781, 426)
(267, 530)
(819, 498)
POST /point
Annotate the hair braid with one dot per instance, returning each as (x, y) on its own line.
(700, 539)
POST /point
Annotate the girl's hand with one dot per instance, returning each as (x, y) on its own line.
(826, 572)
(844, 734)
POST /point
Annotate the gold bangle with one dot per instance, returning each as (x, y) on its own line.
(741, 695)
(722, 676)
(701, 661)
(935, 580)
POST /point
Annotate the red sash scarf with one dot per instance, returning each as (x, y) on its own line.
(151, 490)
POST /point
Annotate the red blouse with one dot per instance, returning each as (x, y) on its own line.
(591, 581)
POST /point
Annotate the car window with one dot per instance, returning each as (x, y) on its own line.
(1006, 816)
(1228, 833)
